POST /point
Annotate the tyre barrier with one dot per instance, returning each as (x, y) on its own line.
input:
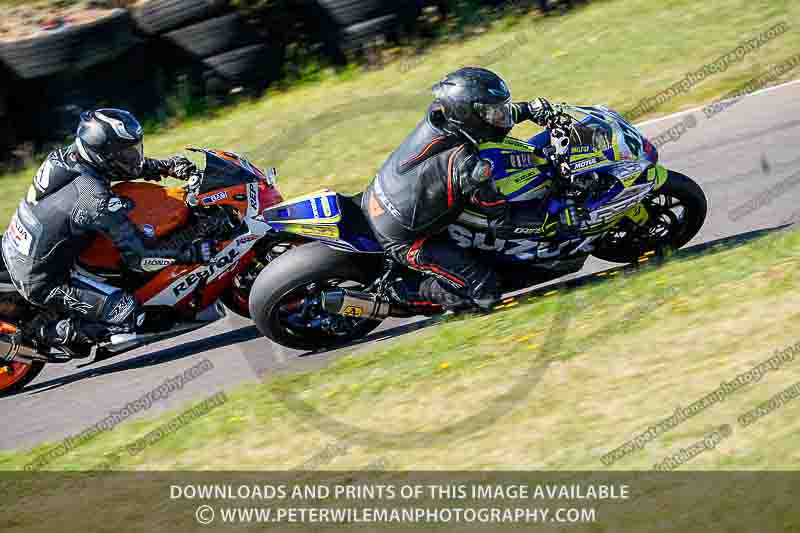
(47, 109)
(344, 25)
(255, 65)
(360, 33)
(160, 16)
(348, 12)
(214, 36)
(70, 47)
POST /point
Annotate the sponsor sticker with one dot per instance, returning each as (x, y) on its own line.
(253, 195)
(217, 265)
(584, 164)
(115, 204)
(149, 231)
(525, 231)
(521, 160)
(352, 310)
(624, 171)
(21, 238)
(221, 195)
(581, 149)
(151, 264)
(328, 231)
(246, 239)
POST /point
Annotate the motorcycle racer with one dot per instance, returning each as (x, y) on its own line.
(70, 199)
(434, 175)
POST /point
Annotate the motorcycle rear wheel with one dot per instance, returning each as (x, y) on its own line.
(15, 377)
(296, 278)
(666, 230)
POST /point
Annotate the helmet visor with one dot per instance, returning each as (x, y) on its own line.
(499, 115)
(130, 159)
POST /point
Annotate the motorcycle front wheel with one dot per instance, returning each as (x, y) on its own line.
(676, 212)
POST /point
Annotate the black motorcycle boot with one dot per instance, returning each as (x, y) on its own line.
(57, 333)
(407, 294)
(432, 292)
(65, 335)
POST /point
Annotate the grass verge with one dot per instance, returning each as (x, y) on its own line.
(555, 383)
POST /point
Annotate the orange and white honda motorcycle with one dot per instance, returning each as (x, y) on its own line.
(224, 203)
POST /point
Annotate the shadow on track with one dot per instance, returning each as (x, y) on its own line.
(249, 333)
(166, 355)
(718, 245)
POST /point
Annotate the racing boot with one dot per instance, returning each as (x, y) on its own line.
(64, 335)
(77, 338)
(433, 292)
(407, 294)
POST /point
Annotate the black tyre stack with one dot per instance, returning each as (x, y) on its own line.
(130, 59)
(47, 70)
(157, 17)
(71, 47)
(211, 42)
(346, 25)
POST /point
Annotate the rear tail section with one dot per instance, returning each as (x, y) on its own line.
(324, 216)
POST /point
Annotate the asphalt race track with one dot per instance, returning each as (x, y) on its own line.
(735, 155)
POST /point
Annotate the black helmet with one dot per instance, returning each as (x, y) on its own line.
(477, 102)
(110, 140)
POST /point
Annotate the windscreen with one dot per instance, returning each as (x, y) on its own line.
(221, 172)
(589, 129)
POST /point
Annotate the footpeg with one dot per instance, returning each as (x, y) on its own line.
(355, 304)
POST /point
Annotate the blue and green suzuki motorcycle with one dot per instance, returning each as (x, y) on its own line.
(326, 286)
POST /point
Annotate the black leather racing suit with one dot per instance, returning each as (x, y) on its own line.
(66, 204)
(421, 189)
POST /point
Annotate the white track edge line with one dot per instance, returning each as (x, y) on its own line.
(692, 110)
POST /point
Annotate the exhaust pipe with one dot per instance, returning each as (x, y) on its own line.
(11, 348)
(355, 304)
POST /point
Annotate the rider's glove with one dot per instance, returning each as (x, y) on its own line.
(181, 167)
(175, 167)
(200, 251)
(541, 111)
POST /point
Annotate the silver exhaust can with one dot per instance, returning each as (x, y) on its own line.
(11, 350)
(355, 304)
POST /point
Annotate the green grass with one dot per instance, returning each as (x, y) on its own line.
(552, 383)
(337, 132)
(582, 393)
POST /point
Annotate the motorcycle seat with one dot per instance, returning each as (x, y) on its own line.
(354, 220)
